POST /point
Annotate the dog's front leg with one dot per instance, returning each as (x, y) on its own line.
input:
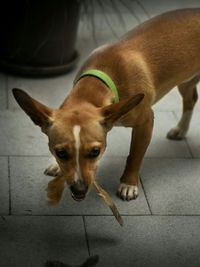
(53, 169)
(141, 137)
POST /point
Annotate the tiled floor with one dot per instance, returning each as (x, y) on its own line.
(161, 226)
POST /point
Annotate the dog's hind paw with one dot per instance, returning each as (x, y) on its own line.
(176, 134)
(127, 192)
(52, 170)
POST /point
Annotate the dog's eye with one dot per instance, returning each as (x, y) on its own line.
(94, 152)
(62, 154)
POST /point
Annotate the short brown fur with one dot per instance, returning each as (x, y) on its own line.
(145, 64)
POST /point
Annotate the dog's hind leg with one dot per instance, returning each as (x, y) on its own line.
(188, 91)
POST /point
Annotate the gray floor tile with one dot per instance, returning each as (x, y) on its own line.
(107, 26)
(101, 28)
(118, 142)
(119, 139)
(145, 241)
(193, 134)
(50, 91)
(171, 101)
(4, 186)
(155, 7)
(3, 91)
(28, 193)
(160, 146)
(172, 185)
(19, 136)
(31, 241)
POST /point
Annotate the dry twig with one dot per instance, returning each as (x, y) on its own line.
(102, 193)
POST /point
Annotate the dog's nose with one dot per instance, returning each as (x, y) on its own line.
(79, 190)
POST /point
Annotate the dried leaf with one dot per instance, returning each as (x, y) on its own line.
(102, 193)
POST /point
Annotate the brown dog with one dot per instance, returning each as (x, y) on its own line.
(144, 65)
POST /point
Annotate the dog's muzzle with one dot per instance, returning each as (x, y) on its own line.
(78, 190)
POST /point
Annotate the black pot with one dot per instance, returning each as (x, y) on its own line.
(38, 36)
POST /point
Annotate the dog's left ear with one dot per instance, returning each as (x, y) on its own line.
(113, 112)
(40, 114)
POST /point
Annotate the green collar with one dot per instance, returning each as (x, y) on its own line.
(105, 78)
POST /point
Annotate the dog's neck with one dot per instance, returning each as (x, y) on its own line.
(90, 90)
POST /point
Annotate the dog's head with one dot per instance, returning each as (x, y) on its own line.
(77, 135)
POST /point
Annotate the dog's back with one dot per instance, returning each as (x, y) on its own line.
(169, 44)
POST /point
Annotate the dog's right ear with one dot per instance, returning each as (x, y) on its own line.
(113, 112)
(40, 114)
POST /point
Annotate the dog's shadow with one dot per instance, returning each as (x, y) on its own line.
(90, 262)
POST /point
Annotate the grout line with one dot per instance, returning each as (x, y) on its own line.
(175, 115)
(185, 139)
(73, 215)
(100, 215)
(173, 112)
(3, 218)
(143, 8)
(6, 89)
(86, 235)
(189, 149)
(49, 156)
(9, 182)
(146, 196)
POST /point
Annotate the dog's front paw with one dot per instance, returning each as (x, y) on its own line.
(127, 192)
(52, 170)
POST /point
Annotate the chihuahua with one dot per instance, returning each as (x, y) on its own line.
(117, 86)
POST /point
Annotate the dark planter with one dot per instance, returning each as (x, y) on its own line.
(38, 36)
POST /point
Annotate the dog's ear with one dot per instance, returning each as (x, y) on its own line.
(113, 112)
(40, 114)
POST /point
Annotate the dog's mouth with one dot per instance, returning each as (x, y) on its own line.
(78, 191)
(78, 197)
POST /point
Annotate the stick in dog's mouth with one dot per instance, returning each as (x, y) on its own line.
(102, 193)
(56, 188)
